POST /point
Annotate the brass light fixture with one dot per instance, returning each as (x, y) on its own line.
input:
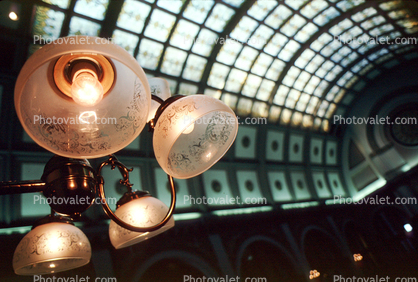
(84, 97)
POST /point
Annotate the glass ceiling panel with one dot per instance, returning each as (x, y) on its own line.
(235, 80)
(184, 35)
(47, 23)
(251, 85)
(360, 16)
(326, 16)
(295, 4)
(244, 106)
(126, 40)
(275, 69)
(160, 25)
(313, 8)
(390, 5)
(262, 64)
(229, 52)
(194, 68)
(278, 16)
(79, 26)
(204, 42)
(230, 100)
(172, 5)
(288, 51)
(306, 32)
(293, 25)
(322, 40)
(93, 9)
(281, 95)
(246, 58)
(133, 16)
(235, 3)
(244, 29)
(347, 5)
(219, 17)
(260, 36)
(173, 61)
(275, 44)
(218, 75)
(197, 11)
(187, 89)
(149, 54)
(260, 109)
(260, 9)
(265, 89)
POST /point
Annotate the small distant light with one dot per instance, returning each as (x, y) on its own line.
(408, 227)
(314, 274)
(13, 16)
(357, 257)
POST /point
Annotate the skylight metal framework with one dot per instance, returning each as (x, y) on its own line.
(275, 59)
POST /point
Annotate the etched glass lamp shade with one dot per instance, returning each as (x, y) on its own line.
(192, 134)
(160, 88)
(142, 212)
(51, 248)
(82, 97)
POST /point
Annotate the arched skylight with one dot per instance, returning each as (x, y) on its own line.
(293, 62)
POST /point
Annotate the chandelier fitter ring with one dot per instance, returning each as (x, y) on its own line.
(62, 71)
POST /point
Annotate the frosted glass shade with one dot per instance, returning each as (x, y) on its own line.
(142, 212)
(51, 248)
(57, 123)
(192, 134)
(160, 88)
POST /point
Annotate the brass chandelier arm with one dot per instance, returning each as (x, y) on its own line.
(157, 99)
(125, 173)
(163, 105)
(18, 187)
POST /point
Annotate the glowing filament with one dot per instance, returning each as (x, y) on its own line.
(86, 90)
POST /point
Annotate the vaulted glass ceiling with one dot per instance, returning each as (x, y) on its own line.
(293, 62)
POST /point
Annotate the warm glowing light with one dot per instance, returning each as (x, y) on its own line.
(86, 90)
(186, 122)
(88, 117)
(314, 274)
(52, 265)
(13, 16)
(357, 257)
(54, 244)
(408, 227)
(189, 129)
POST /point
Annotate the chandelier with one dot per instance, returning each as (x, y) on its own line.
(65, 96)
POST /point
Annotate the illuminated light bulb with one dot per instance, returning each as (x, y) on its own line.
(52, 265)
(408, 227)
(86, 90)
(13, 16)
